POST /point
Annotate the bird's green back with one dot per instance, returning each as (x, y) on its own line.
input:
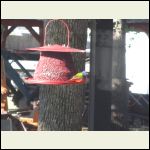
(79, 75)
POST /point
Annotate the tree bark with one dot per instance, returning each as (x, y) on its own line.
(61, 106)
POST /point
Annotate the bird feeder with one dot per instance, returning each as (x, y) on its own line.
(55, 65)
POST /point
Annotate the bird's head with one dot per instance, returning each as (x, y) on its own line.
(84, 73)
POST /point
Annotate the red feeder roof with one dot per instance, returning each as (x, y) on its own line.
(48, 82)
(56, 48)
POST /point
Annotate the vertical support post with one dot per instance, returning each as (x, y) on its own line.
(4, 105)
(4, 36)
(3, 87)
(120, 86)
(101, 77)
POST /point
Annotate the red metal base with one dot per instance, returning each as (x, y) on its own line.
(55, 48)
(47, 82)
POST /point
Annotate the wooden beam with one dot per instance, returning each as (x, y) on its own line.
(137, 21)
(141, 27)
(28, 23)
(37, 37)
(22, 22)
(28, 121)
(10, 30)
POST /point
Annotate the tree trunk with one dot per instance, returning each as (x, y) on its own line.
(61, 106)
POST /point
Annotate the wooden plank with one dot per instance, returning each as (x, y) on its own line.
(137, 21)
(10, 30)
(141, 27)
(22, 22)
(28, 121)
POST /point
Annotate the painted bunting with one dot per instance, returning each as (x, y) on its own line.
(79, 76)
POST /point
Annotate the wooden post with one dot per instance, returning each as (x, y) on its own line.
(4, 105)
(119, 84)
(100, 76)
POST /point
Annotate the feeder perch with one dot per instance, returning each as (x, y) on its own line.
(55, 65)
